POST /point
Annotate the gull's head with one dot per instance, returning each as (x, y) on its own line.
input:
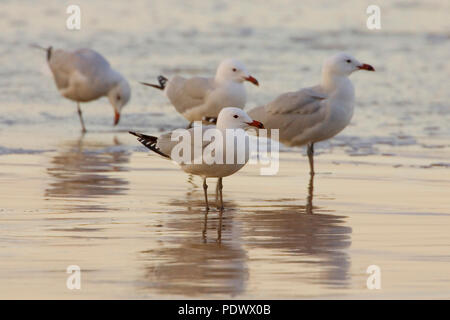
(344, 64)
(235, 118)
(119, 96)
(234, 70)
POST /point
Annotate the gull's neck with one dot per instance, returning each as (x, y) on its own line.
(331, 82)
(225, 126)
(226, 82)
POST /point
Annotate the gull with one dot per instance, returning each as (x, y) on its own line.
(85, 75)
(315, 113)
(198, 97)
(234, 119)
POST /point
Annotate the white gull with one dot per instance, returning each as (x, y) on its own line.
(198, 97)
(234, 119)
(316, 113)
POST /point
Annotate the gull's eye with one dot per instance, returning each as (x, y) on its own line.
(235, 116)
(118, 97)
(234, 69)
(348, 61)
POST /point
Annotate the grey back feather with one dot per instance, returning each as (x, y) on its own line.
(185, 94)
(304, 101)
(85, 62)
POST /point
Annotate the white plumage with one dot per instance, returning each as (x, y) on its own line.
(233, 119)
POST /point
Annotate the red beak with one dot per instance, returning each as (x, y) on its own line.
(366, 66)
(116, 117)
(252, 80)
(256, 124)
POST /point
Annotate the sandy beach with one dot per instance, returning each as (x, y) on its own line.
(136, 225)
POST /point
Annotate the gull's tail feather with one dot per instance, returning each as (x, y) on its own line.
(150, 142)
(162, 83)
(48, 50)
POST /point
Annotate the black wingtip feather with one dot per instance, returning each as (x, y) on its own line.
(48, 50)
(162, 83)
(149, 142)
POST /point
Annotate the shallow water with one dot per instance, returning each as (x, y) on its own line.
(135, 224)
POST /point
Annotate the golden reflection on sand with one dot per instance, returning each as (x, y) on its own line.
(83, 169)
(207, 253)
(196, 261)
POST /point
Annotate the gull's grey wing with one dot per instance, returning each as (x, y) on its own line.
(82, 63)
(304, 101)
(91, 64)
(166, 145)
(293, 113)
(207, 166)
(185, 94)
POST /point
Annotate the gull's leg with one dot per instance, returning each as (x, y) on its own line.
(220, 187)
(205, 189)
(80, 114)
(310, 153)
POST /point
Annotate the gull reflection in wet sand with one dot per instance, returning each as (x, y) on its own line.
(196, 256)
(192, 260)
(306, 236)
(82, 169)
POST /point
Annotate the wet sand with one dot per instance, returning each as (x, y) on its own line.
(135, 224)
(137, 228)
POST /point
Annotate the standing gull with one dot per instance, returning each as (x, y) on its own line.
(84, 75)
(316, 113)
(196, 98)
(234, 119)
